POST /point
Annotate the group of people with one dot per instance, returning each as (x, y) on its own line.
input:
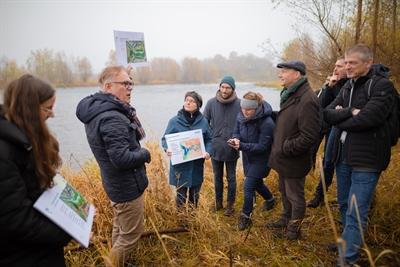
(354, 129)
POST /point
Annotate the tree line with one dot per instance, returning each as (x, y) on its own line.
(325, 29)
(62, 70)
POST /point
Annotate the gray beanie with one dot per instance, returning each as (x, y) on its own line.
(229, 80)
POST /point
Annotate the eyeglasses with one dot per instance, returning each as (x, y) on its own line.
(190, 101)
(126, 84)
(49, 110)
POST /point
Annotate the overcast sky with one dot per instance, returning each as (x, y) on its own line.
(174, 29)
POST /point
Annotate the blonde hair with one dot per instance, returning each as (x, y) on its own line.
(108, 72)
(254, 96)
(22, 100)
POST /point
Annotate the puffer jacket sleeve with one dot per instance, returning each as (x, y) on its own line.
(19, 221)
(335, 116)
(117, 142)
(375, 110)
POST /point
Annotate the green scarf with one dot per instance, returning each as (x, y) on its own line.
(286, 93)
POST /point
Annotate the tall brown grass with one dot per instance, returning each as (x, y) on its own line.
(211, 241)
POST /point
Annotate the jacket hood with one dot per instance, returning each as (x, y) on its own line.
(381, 70)
(266, 110)
(93, 105)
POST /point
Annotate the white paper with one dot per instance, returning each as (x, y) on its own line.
(67, 208)
(130, 49)
(185, 146)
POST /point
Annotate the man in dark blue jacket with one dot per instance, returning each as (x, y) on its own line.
(362, 148)
(113, 131)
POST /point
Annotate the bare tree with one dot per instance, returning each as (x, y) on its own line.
(42, 64)
(143, 74)
(192, 71)
(358, 22)
(84, 69)
(112, 58)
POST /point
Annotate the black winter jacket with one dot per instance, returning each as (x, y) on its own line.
(367, 142)
(27, 238)
(112, 139)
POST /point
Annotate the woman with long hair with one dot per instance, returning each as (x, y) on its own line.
(29, 159)
(253, 135)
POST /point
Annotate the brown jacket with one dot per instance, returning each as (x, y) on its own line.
(296, 131)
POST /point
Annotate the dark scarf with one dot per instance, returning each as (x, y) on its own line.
(140, 133)
(287, 92)
(229, 100)
(243, 119)
(190, 117)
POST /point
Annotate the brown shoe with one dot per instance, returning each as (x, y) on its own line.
(292, 232)
(280, 224)
(217, 206)
(229, 209)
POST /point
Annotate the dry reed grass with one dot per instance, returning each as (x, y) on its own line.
(211, 241)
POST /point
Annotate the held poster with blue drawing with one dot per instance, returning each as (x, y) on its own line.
(185, 146)
(130, 49)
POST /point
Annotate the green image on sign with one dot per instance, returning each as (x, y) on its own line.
(135, 51)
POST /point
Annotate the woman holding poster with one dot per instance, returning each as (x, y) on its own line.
(253, 135)
(29, 159)
(187, 176)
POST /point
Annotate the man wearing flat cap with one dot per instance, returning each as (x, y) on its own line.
(296, 131)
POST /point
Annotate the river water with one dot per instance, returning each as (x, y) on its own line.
(155, 105)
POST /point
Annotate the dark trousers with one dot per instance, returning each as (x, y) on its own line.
(293, 199)
(182, 193)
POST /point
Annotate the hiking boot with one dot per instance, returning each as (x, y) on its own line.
(244, 222)
(229, 209)
(280, 224)
(217, 206)
(268, 205)
(316, 201)
(292, 232)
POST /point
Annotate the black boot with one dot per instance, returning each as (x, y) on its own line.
(316, 201)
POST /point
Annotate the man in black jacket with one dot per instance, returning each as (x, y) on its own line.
(363, 146)
(331, 90)
(113, 131)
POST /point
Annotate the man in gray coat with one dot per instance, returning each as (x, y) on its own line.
(221, 112)
(296, 131)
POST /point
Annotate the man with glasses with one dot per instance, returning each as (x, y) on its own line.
(113, 131)
(221, 112)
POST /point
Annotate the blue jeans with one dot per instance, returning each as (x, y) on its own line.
(250, 187)
(194, 194)
(362, 186)
(218, 169)
(328, 166)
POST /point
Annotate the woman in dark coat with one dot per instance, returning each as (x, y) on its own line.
(29, 159)
(188, 176)
(253, 135)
